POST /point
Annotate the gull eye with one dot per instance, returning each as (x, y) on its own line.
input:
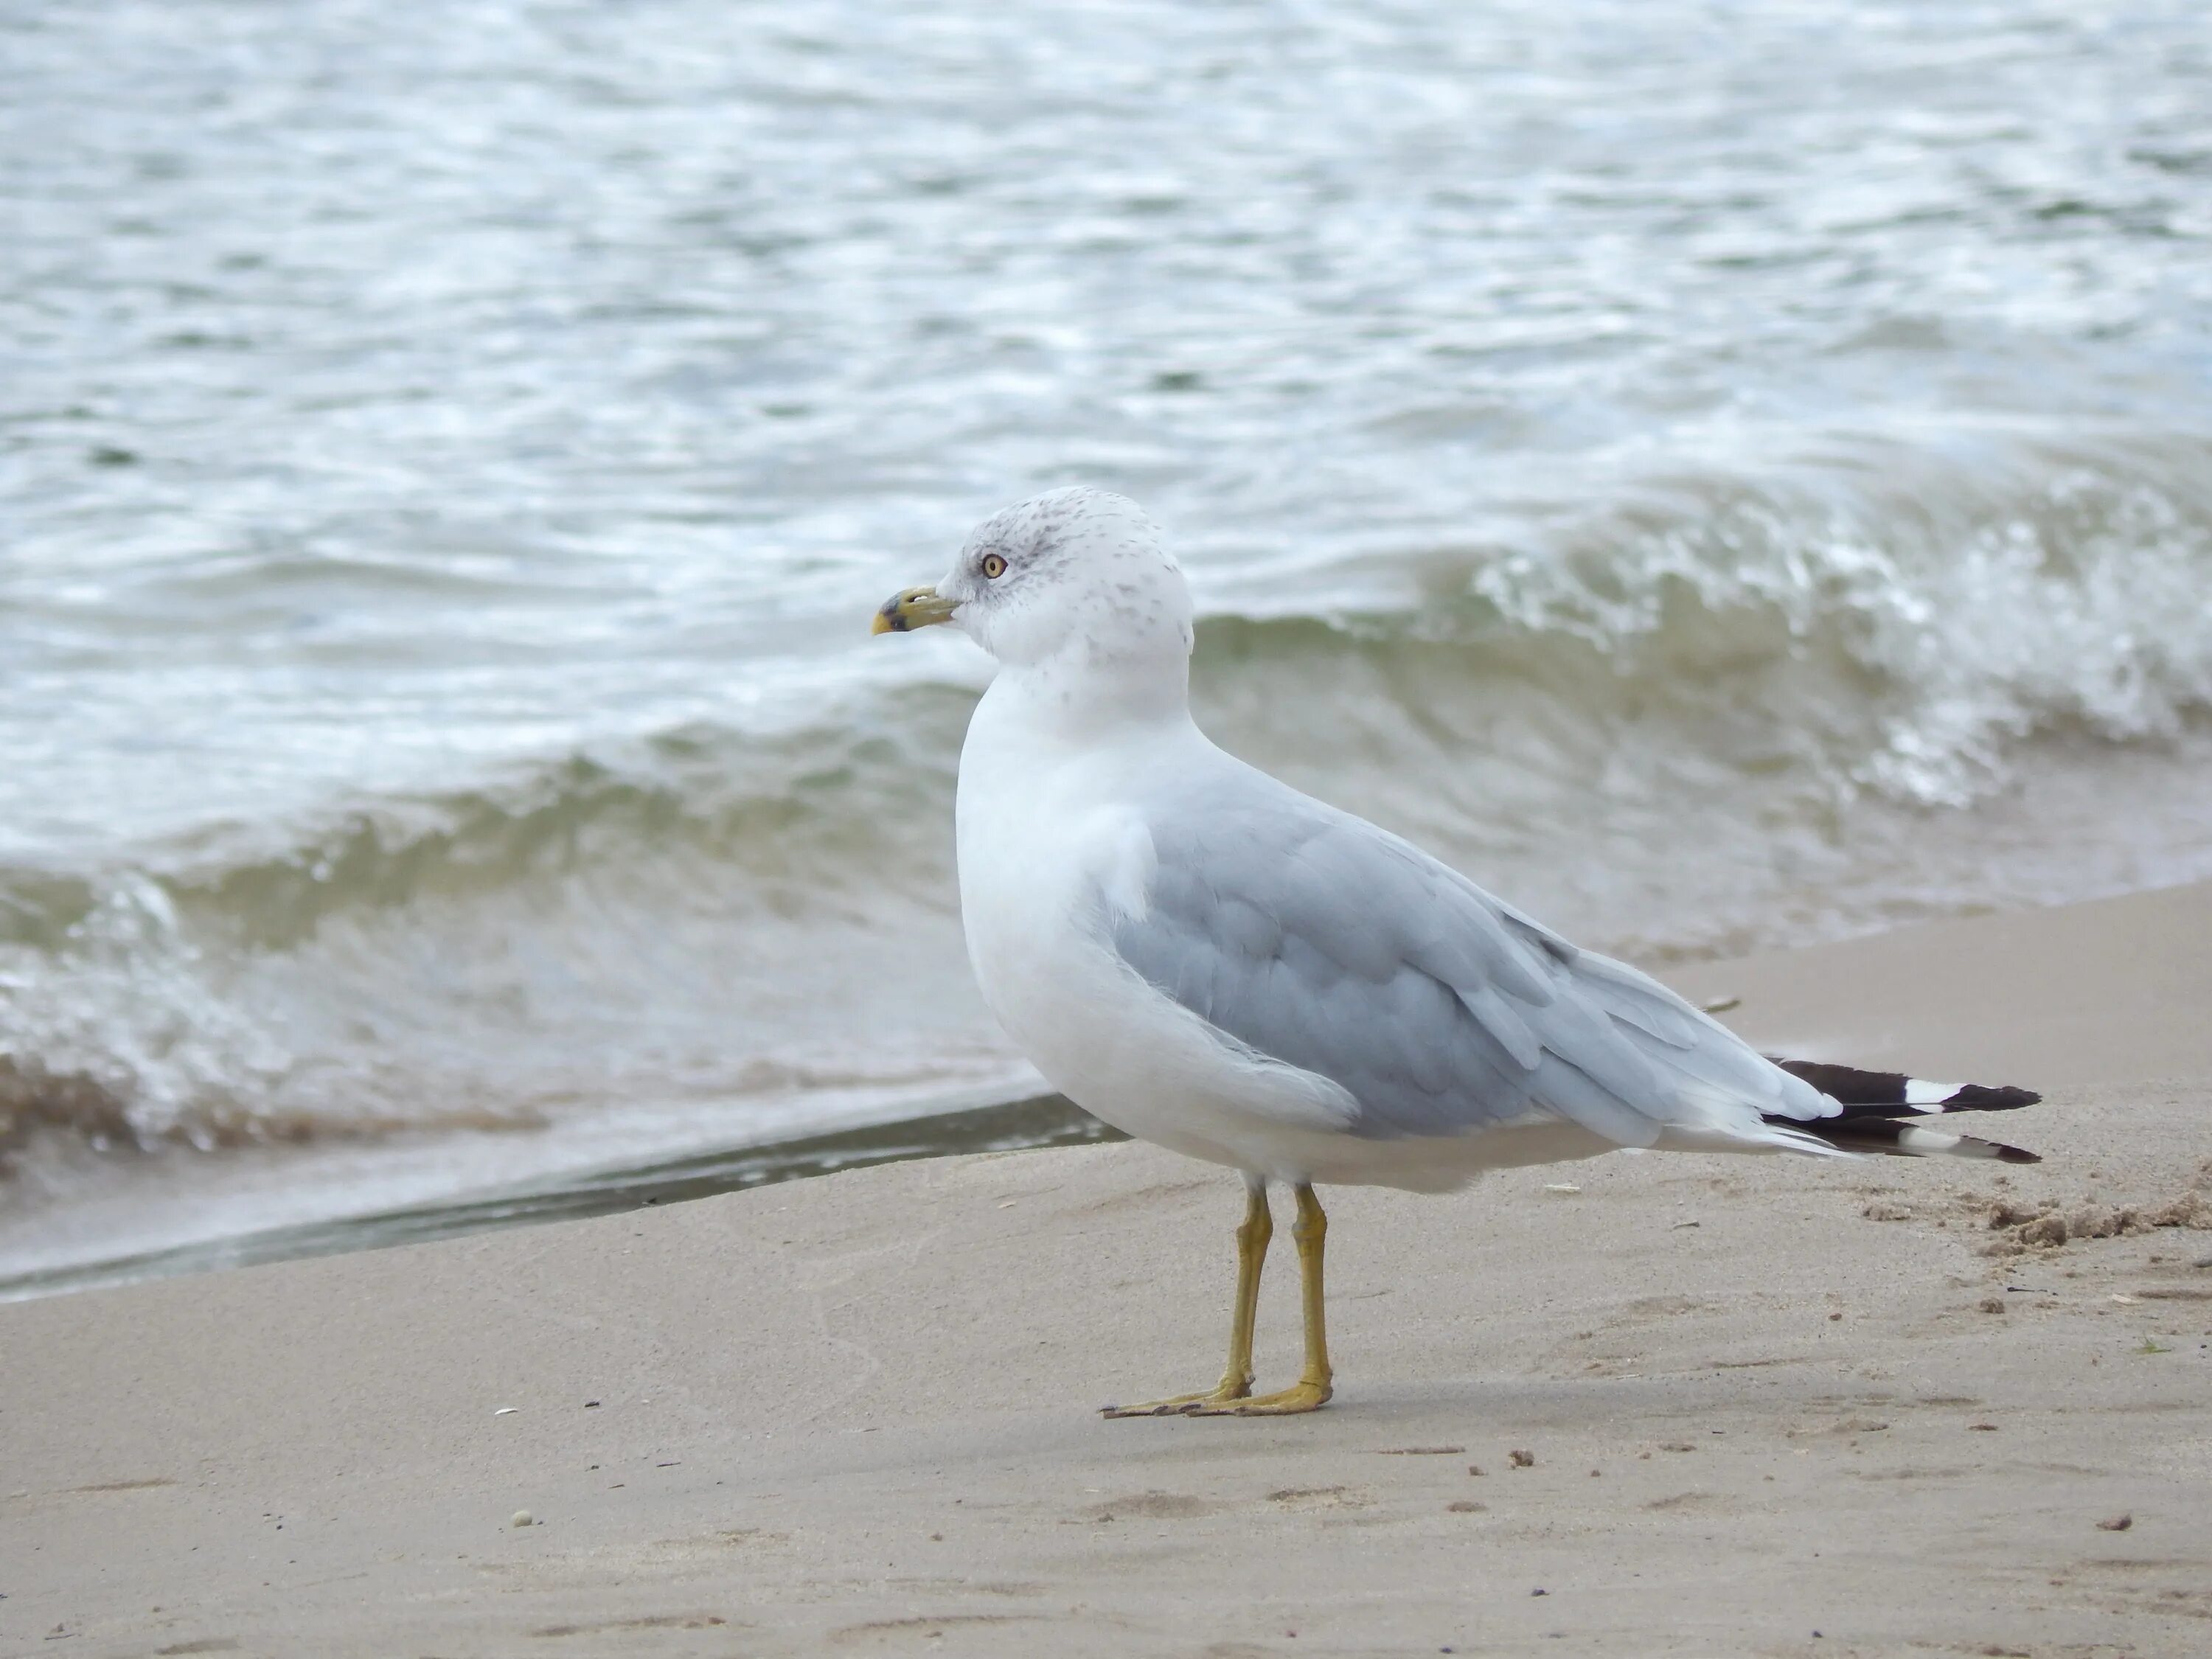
(993, 566)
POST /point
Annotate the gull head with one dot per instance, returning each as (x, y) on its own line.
(1073, 577)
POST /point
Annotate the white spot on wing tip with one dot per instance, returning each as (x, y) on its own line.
(1926, 1140)
(1927, 1097)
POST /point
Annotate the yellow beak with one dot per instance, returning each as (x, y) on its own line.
(912, 608)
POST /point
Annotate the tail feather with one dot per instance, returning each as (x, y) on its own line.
(1883, 1112)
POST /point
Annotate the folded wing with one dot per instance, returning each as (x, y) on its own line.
(1319, 940)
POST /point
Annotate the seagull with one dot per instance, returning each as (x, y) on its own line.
(1203, 957)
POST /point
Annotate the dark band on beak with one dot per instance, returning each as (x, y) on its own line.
(912, 608)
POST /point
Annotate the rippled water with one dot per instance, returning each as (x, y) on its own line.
(1726, 476)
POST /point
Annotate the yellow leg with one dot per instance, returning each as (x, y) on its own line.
(1311, 1391)
(1252, 1240)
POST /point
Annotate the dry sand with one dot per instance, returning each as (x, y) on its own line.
(1773, 1406)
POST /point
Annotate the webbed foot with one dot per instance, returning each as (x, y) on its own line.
(1223, 1396)
(1286, 1402)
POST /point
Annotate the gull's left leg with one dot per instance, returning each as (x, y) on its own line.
(1252, 1237)
(1311, 1391)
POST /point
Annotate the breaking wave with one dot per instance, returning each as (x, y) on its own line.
(1721, 713)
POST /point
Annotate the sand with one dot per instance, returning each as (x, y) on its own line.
(1717, 1405)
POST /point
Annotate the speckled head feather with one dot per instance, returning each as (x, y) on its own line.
(1084, 577)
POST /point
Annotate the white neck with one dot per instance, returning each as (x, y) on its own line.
(1078, 695)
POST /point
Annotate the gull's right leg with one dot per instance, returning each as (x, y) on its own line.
(1312, 1389)
(1252, 1237)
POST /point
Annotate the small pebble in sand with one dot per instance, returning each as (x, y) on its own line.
(1475, 1468)
(1992, 1304)
(2118, 1523)
(1983, 1428)
(1521, 1460)
(522, 1518)
(1465, 1506)
(1834, 1318)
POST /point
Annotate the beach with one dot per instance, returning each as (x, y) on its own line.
(1694, 1404)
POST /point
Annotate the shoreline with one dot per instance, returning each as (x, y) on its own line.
(1792, 1016)
(1025, 1122)
(1763, 1398)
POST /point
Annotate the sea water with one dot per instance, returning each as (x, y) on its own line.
(1725, 477)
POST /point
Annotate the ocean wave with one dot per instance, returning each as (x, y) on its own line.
(1882, 617)
(674, 917)
(1893, 639)
(801, 814)
(1726, 711)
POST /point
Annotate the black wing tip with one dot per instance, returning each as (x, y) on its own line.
(1884, 1094)
(1899, 1136)
(1987, 1098)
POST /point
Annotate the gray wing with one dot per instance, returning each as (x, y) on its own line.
(1315, 938)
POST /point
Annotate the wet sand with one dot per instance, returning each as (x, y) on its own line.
(1766, 1407)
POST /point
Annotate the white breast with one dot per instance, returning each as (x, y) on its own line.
(1051, 848)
